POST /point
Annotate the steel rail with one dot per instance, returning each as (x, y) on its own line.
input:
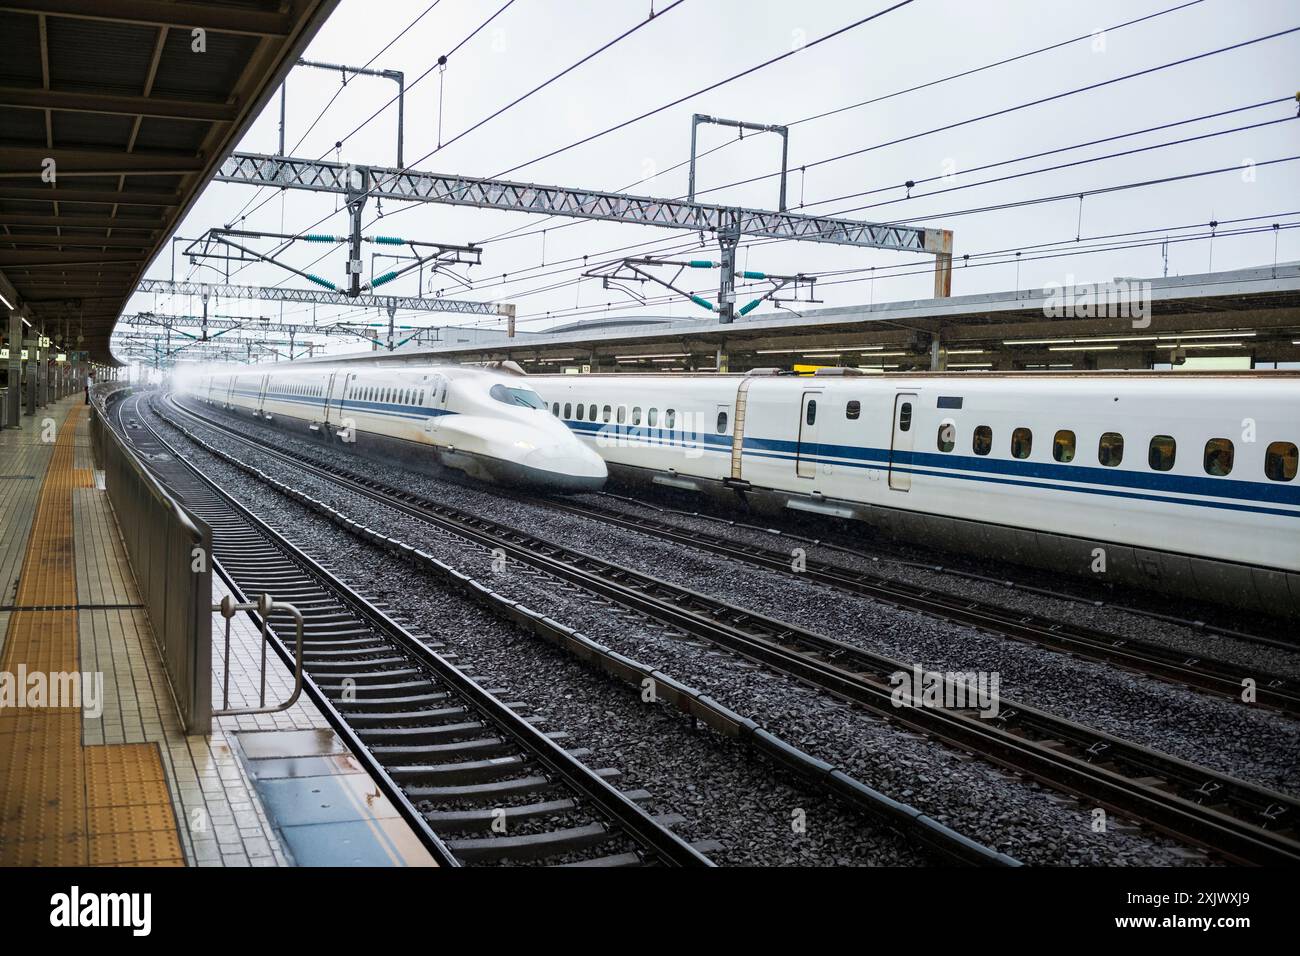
(1239, 820)
(657, 842)
(1154, 660)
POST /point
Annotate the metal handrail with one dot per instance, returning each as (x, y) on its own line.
(264, 605)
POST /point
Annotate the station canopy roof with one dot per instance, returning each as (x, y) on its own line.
(135, 109)
(1253, 312)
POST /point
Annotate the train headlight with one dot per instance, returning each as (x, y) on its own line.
(525, 446)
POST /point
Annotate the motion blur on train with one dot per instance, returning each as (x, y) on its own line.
(488, 425)
(1181, 484)
(1185, 485)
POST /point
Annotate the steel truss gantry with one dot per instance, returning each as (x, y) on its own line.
(389, 303)
(727, 223)
(224, 324)
(227, 290)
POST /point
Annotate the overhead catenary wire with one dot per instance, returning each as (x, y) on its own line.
(1021, 203)
(442, 145)
(1072, 194)
(970, 120)
(521, 274)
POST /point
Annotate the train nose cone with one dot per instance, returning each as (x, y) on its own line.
(568, 467)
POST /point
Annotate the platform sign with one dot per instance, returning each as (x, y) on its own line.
(4, 354)
(61, 357)
(44, 342)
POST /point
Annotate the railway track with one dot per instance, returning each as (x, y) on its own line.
(475, 777)
(895, 556)
(1153, 660)
(1238, 820)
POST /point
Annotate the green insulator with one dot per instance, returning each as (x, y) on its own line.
(702, 264)
(753, 275)
(319, 281)
(320, 237)
(750, 308)
(386, 277)
(702, 302)
(389, 241)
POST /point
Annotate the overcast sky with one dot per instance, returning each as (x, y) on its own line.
(699, 42)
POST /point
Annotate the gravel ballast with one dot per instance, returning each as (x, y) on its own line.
(1017, 817)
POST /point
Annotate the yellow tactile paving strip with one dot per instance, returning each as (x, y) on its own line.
(62, 804)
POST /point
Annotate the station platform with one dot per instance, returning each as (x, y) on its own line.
(95, 768)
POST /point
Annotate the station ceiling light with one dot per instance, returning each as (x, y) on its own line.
(1134, 338)
(820, 349)
(656, 355)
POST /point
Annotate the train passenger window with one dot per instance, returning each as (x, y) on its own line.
(1063, 446)
(555, 409)
(1161, 453)
(606, 413)
(1022, 443)
(636, 414)
(580, 411)
(853, 409)
(591, 413)
(1218, 457)
(722, 423)
(670, 418)
(622, 414)
(947, 436)
(981, 442)
(568, 409)
(811, 415)
(905, 417)
(652, 417)
(1280, 461)
(1110, 449)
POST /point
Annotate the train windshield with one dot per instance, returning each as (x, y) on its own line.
(517, 396)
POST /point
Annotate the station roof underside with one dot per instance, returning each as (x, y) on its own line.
(1249, 311)
(136, 118)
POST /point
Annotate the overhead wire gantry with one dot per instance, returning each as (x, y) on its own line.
(727, 224)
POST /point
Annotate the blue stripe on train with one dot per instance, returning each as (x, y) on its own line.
(994, 470)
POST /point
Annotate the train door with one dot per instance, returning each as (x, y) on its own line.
(333, 401)
(261, 394)
(806, 457)
(900, 448)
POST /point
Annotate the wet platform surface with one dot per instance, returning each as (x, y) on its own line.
(115, 780)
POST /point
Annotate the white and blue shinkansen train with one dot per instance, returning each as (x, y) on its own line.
(485, 424)
(1184, 483)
